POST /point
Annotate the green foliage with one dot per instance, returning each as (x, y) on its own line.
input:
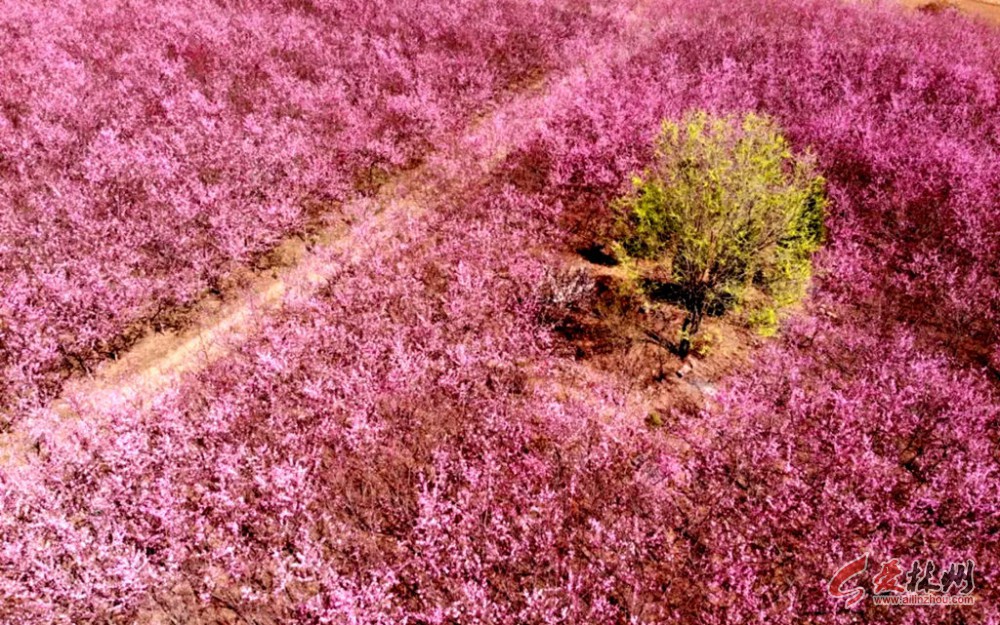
(764, 320)
(725, 208)
(703, 344)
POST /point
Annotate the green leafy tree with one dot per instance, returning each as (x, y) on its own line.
(725, 210)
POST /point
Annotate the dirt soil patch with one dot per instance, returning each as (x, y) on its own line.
(611, 329)
(986, 9)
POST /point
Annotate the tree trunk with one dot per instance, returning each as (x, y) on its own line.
(692, 322)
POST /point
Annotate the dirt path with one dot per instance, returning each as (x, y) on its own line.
(160, 360)
(217, 325)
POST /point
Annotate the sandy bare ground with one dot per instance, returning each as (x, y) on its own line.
(987, 9)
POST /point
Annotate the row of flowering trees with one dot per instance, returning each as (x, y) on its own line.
(407, 446)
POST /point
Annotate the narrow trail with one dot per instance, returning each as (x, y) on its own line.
(160, 361)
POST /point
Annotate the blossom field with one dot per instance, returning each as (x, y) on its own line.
(413, 436)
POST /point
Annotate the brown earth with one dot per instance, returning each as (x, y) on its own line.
(986, 9)
(618, 330)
